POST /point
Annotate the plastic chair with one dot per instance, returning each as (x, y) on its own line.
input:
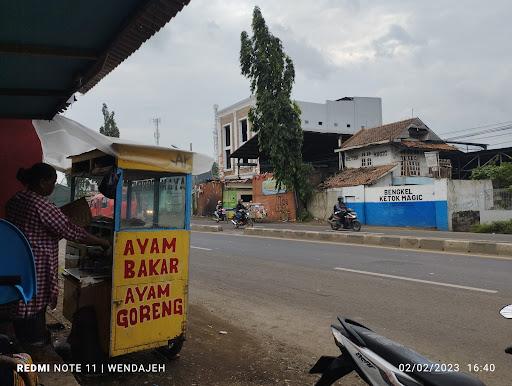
(17, 269)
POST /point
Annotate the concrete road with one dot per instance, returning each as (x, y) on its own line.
(443, 305)
(313, 226)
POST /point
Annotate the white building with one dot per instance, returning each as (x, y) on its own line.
(342, 116)
(392, 154)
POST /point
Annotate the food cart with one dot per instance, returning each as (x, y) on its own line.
(139, 288)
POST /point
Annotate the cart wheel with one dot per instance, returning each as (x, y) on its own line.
(172, 350)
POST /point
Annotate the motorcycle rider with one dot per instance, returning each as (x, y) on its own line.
(219, 209)
(239, 210)
(340, 209)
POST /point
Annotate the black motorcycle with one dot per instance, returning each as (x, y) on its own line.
(243, 219)
(344, 219)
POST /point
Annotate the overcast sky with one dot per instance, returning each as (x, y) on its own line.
(449, 60)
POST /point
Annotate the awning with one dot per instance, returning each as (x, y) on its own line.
(51, 49)
(62, 137)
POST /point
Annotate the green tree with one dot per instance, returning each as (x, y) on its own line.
(215, 171)
(276, 118)
(109, 127)
(501, 175)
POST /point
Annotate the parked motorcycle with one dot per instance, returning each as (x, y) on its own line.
(220, 215)
(243, 220)
(506, 312)
(347, 220)
(381, 362)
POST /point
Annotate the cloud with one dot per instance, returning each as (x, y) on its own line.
(395, 42)
(447, 60)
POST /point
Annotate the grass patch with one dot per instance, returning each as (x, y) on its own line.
(494, 227)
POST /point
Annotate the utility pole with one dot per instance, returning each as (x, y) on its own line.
(156, 122)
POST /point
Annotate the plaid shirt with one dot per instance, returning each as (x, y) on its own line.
(43, 224)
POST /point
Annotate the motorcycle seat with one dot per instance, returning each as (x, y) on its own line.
(397, 355)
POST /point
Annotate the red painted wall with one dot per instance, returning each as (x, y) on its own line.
(19, 147)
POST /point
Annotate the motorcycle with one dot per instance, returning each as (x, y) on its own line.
(243, 220)
(381, 362)
(347, 220)
(219, 216)
(506, 312)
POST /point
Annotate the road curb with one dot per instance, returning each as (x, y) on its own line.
(206, 228)
(406, 242)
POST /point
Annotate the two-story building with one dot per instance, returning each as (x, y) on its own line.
(343, 116)
(397, 153)
(393, 174)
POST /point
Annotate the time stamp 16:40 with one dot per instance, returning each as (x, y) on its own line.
(446, 367)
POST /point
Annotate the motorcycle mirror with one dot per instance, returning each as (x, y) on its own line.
(506, 312)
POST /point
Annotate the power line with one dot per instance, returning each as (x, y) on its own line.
(478, 127)
(499, 128)
(492, 136)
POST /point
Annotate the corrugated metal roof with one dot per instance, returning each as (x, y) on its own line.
(146, 21)
(50, 50)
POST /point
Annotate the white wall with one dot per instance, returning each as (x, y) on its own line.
(353, 157)
(464, 195)
(488, 216)
(321, 204)
(345, 116)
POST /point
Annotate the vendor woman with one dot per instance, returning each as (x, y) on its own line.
(43, 224)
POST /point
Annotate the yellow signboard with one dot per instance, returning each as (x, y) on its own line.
(153, 159)
(149, 289)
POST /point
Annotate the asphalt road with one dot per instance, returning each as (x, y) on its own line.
(443, 305)
(377, 230)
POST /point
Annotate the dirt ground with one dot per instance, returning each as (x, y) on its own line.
(211, 358)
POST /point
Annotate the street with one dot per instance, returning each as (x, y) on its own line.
(444, 306)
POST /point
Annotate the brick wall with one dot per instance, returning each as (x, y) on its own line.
(207, 196)
(279, 207)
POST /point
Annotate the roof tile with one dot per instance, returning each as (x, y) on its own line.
(357, 176)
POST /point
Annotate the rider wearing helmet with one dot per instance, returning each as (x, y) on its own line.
(240, 207)
(340, 209)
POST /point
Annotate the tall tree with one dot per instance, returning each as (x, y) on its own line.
(276, 118)
(109, 127)
(215, 171)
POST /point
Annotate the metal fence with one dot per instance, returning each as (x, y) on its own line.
(501, 199)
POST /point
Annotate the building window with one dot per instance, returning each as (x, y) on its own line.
(227, 136)
(227, 146)
(335, 124)
(410, 164)
(244, 133)
(306, 121)
(227, 162)
(366, 159)
(320, 123)
(348, 124)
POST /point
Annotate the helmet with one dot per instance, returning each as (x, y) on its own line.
(219, 202)
(340, 198)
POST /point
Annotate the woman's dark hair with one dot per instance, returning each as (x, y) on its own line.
(35, 174)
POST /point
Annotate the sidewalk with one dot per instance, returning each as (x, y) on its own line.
(387, 231)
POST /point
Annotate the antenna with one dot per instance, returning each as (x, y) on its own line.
(157, 122)
(412, 112)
